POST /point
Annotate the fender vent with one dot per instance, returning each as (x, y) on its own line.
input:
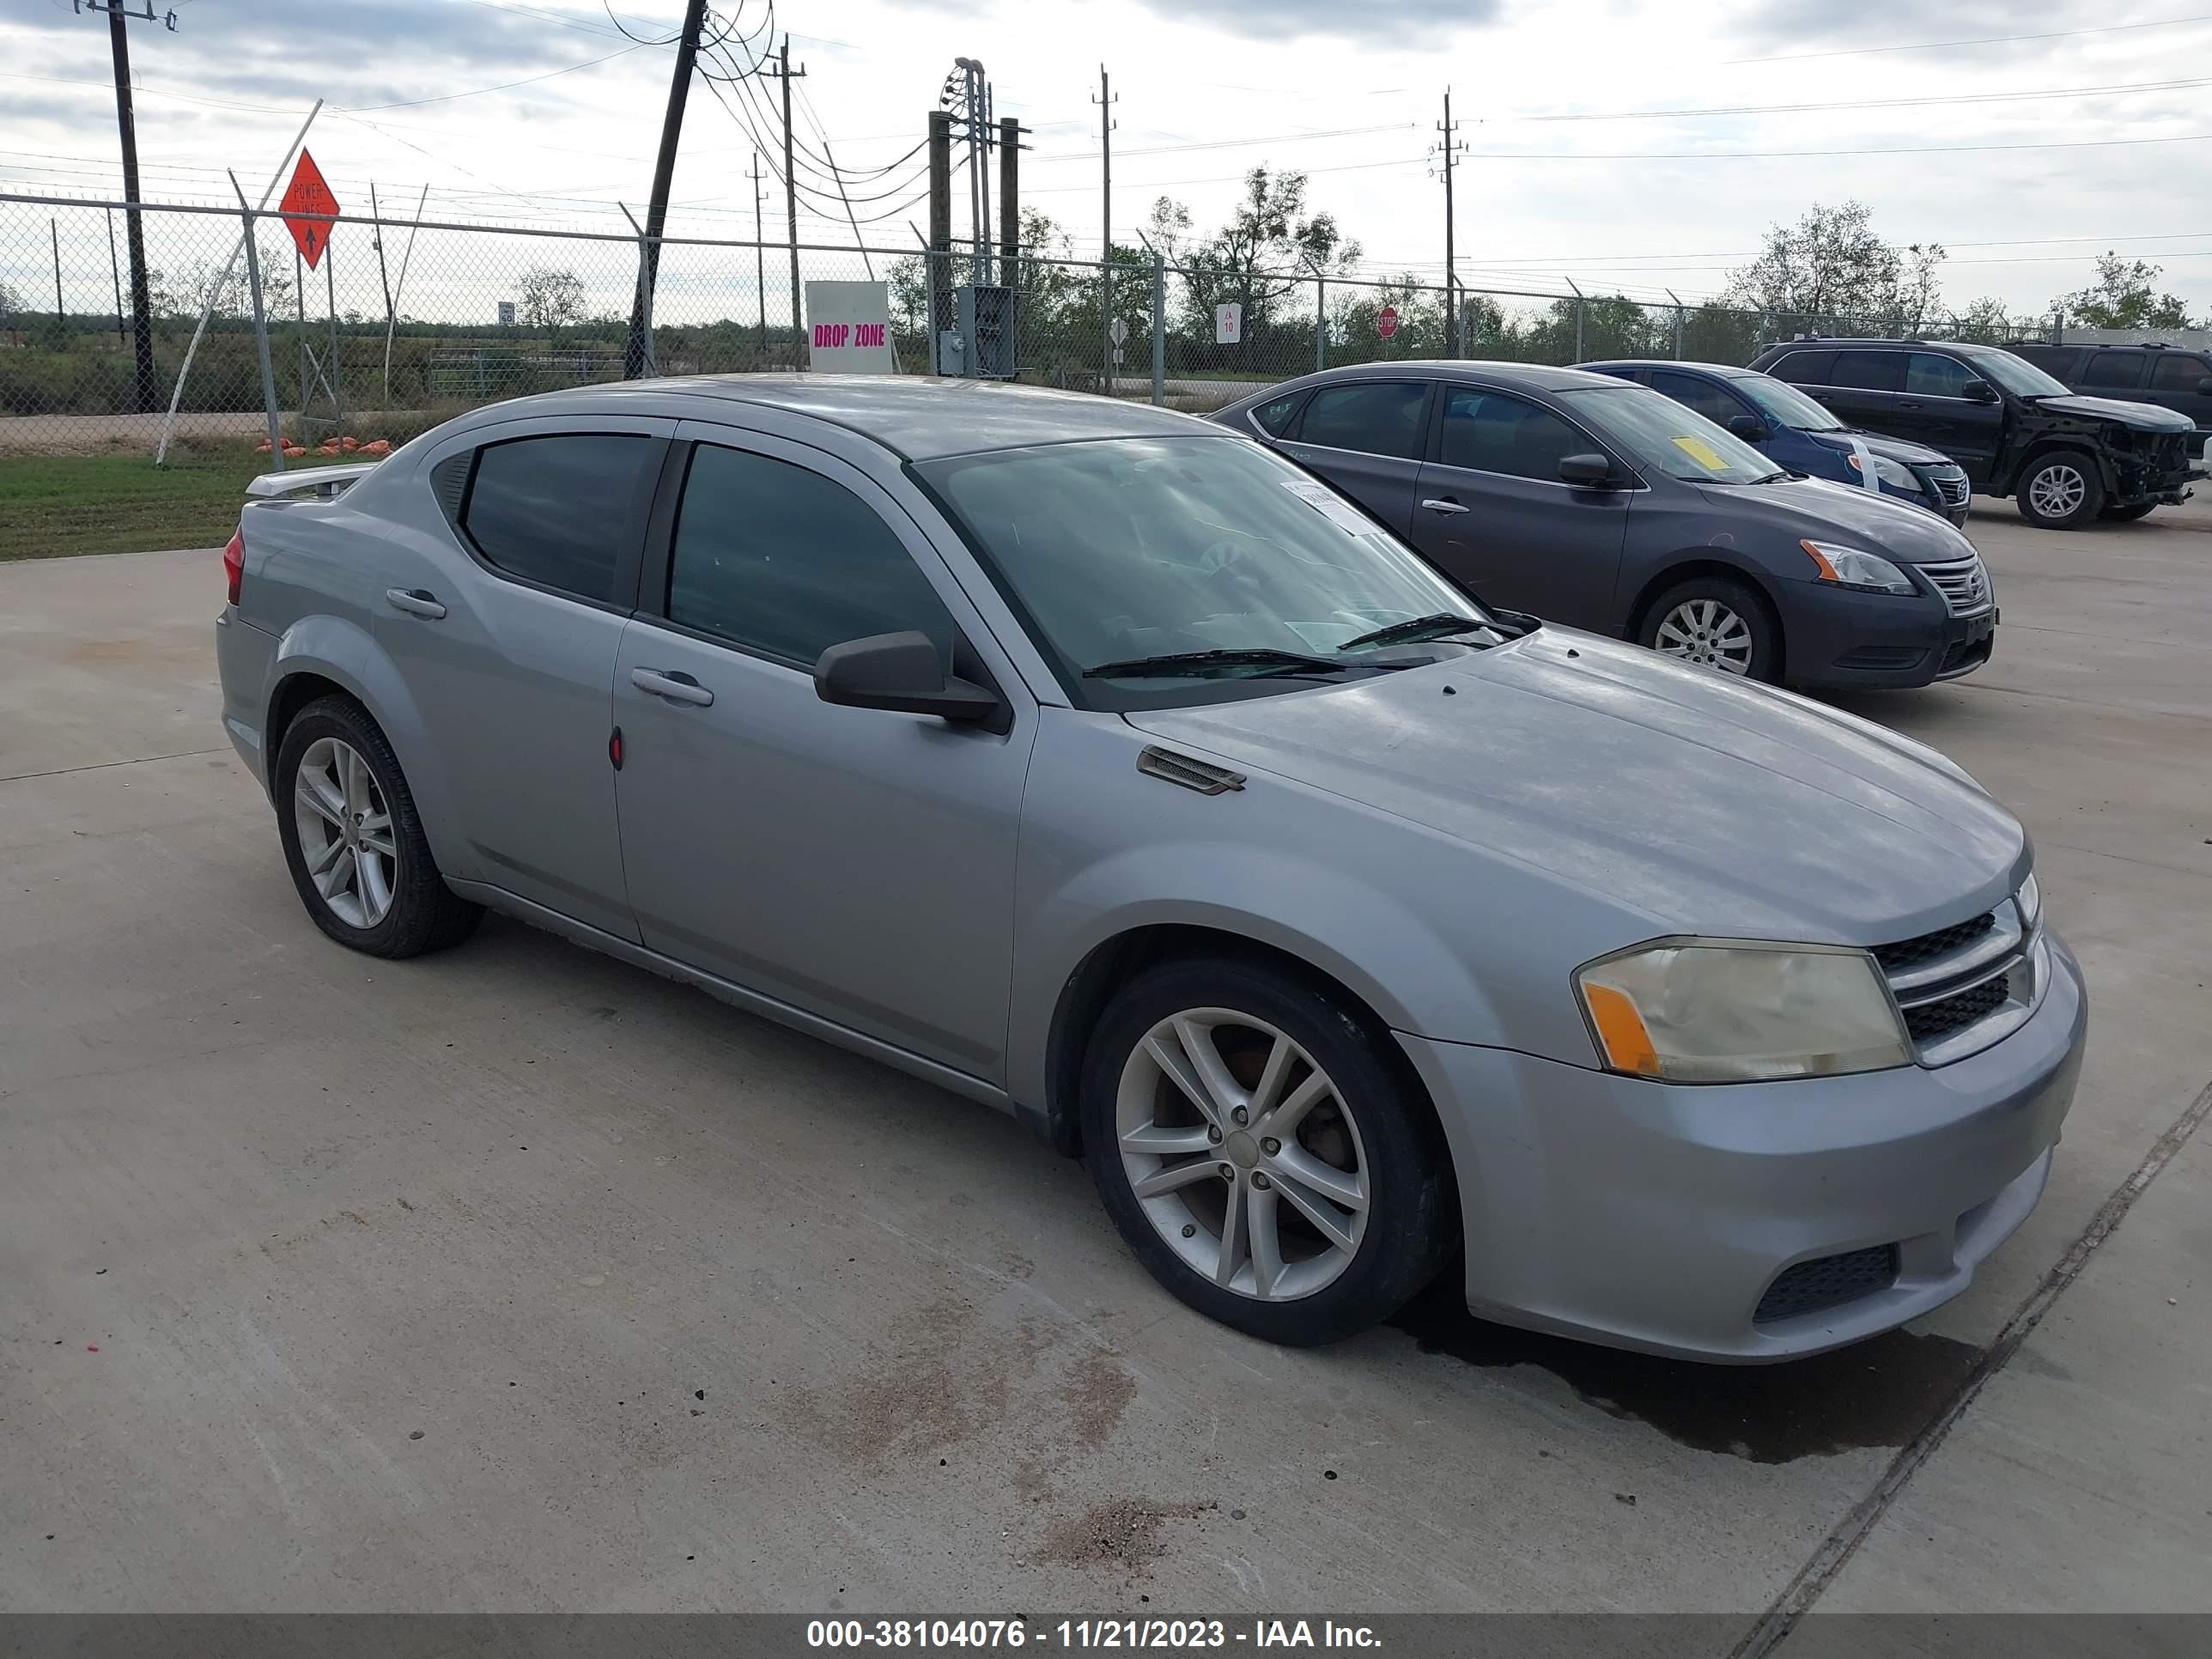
(1171, 768)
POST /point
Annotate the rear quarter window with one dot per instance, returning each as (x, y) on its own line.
(1274, 417)
(2180, 373)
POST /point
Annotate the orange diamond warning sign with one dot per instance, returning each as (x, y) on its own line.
(307, 193)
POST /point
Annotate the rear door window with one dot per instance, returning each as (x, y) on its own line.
(1713, 402)
(2176, 373)
(557, 510)
(1378, 417)
(1869, 371)
(1928, 375)
(2114, 371)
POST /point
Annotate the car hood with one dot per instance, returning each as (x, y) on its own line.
(1701, 804)
(1894, 449)
(2147, 417)
(1816, 509)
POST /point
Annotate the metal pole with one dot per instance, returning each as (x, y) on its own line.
(134, 231)
(337, 366)
(939, 258)
(1452, 329)
(207, 308)
(1578, 317)
(1106, 220)
(61, 318)
(391, 312)
(300, 333)
(116, 269)
(760, 260)
(384, 277)
(1677, 298)
(990, 274)
(261, 333)
(645, 263)
(1159, 328)
(1320, 322)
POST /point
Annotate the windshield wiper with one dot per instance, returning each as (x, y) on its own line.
(1441, 625)
(1175, 663)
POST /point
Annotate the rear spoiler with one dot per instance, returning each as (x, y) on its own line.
(326, 482)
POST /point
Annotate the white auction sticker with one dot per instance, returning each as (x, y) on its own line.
(1333, 506)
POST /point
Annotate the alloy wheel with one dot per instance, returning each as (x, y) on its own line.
(1242, 1154)
(345, 833)
(2057, 492)
(1706, 632)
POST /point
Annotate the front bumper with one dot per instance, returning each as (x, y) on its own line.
(1834, 639)
(1656, 1217)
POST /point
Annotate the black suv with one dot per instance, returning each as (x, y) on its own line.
(2172, 377)
(2068, 460)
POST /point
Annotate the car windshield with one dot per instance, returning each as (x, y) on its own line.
(2015, 374)
(1785, 404)
(1666, 437)
(1124, 549)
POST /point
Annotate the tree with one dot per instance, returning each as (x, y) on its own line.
(2123, 297)
(551, 296)
(1983, 322)
(11, 306)
(1269, 246)
(1831, 264)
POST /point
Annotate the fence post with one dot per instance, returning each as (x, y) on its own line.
(1159, 328)
(261, 334)
(337, 367)
(1320, 322)
(1579, 328)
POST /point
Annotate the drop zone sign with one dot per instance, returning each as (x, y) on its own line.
(849, 328)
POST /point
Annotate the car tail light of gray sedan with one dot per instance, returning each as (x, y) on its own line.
(1105, 767)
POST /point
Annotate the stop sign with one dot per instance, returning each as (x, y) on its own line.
(1386, 321)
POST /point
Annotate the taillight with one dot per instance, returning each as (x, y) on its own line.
(234, 560)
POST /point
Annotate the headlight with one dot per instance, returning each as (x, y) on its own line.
(1850, 567)
(2029, 901)
(1703, 1012)
(1896, 475)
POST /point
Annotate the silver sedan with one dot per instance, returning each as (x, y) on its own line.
(1101, 765)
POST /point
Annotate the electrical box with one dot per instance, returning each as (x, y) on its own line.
(984, 320)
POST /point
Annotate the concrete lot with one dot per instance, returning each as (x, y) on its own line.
(517, 1278)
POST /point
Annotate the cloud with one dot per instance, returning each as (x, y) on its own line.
(1786, 28)
(1403, 24)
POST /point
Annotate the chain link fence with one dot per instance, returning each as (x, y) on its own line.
(404, 323)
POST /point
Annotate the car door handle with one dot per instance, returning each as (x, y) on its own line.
(1443, 506)
(415, 601)
(1908, 403)
(675, 686)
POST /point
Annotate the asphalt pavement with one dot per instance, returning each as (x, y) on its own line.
(517, 1278)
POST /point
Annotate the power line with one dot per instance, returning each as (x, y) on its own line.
(1869, 103)
(1228, 143)
(504, 86)
(1978, 40)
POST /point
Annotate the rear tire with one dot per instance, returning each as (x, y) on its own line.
(354, 842)
(1716, 623)
(2128, 514)
(2060, 490)
(1333, 1220)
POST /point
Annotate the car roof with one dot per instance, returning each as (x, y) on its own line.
(1533, 377)
(1729, 370)
(918, 417)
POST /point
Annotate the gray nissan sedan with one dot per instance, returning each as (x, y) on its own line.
(1102, 765)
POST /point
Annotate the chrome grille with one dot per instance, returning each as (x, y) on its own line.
(1963, 584)
(1963, 987)
(1951, 485)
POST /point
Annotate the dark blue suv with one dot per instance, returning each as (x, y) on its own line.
(1798, 433)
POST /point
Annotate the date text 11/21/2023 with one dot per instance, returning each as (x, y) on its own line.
(1086, 1633)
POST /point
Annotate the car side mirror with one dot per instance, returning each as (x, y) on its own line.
(1749, 428)
(903, 673)
(2204, 386)
(1587, 472)
(1978, 392)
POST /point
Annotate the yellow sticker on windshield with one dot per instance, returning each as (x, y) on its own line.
(1703, 453)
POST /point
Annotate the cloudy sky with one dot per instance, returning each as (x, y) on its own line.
(1627, 143)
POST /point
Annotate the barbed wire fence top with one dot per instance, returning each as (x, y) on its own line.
(406, 322)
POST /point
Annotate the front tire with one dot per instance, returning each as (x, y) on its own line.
(2060, 491)
(1716, 624)
(354, 842)
(1263, 1152)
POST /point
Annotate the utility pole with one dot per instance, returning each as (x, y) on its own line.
(784, 72)
(1453, 327)
(1105, 102)
(635, 355)
(142, 309)
(760, 259)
